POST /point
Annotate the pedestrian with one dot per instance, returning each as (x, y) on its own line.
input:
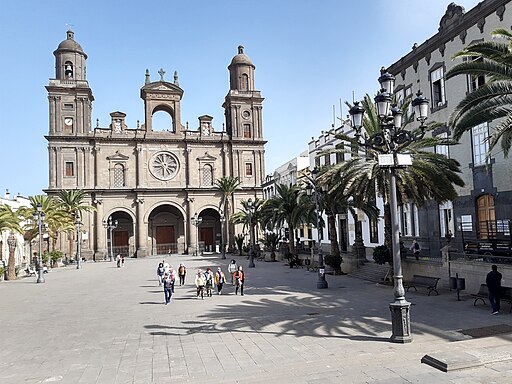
(168, 288)
(166, 266)
(118, 260)
(209, 282)
(200, 283)
(239, 277)
(232, 267)
(160, 273)
(415, 248)
(220, 279)
(122, 260)
(182, 271)
(493, 281)
(172, 274)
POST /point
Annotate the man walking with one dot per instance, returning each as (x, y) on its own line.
(493, 282)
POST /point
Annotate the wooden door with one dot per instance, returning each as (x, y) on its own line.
(120, 238)
(165, 235)
(206, 235)
(486, 216)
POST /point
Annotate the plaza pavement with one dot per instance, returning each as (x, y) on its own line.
(102, 324)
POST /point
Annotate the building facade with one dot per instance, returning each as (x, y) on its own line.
(484, 206)
(151, 183)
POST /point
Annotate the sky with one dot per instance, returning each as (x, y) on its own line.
(310, 55)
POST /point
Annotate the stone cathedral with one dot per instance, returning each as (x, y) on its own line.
(152, 184)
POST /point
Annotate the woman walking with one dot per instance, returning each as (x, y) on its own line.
(182, 271)
(200, 283)
(232, 267)
(220, 279)
(160, 273)
(168, 283)
(239, 281)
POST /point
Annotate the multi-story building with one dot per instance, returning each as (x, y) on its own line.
(152, 180)
(484, 206)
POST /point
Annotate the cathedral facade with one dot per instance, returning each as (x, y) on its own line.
(154, 190)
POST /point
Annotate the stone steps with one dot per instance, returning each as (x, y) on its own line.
(370, 271)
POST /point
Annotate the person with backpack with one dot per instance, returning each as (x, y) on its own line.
(168, 284)
(160, 273)
(182, 271)
(239, 277)
(209, 282)
(415, 248)
(232, 268)
(200, 283)
(220, 279)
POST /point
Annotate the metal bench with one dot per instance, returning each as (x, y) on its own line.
(483, 293)
(423, 281)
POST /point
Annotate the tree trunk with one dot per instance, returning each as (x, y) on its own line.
(11, 275)
(335, 248)
(291, 242)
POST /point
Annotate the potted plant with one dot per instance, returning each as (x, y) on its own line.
(239, 241)
(334, 261)
(271, 240)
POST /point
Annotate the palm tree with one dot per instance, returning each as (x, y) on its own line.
(493, 100)
(250, 215)
(10, 220)
(291, 206)
(431, 176)
(72, 202)
(227, 185)
(271, 240)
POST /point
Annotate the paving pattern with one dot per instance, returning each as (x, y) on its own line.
(103, 324)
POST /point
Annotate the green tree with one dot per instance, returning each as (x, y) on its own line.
(73, 203)
(271, 240)
(227, 185)
(493, 100)
(250, 215)
(289, 206)
(431, 176)
(10, 220)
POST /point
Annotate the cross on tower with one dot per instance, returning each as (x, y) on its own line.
(161, 72)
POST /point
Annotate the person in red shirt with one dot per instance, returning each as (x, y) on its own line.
(239, 277)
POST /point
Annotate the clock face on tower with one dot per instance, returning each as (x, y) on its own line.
(163, 165)
(68, 121)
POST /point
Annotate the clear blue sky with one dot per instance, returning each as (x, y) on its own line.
(309, 54)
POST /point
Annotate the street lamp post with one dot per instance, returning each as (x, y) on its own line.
(110, 226)
(222, 229)
(250, 213)
(11, 242)
(196, 221)
(321, 283)
(39, 219)
(389, 142)
(78, 224)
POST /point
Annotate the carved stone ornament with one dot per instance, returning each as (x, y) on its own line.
(453, 16)
(163, 165)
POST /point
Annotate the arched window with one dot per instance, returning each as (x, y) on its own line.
(119, 179)
(486, 216)
(244, 82)
(68, 70)
(207, 175)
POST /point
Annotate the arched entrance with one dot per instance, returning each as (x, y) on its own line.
(210, 230)
(166, 230)
(121, 238)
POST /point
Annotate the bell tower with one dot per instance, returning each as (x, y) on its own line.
(70, 105)
(69, 94)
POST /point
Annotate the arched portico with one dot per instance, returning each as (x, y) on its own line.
(166, 230)
(210, 230)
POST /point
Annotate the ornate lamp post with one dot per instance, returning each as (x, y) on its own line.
(222, 245)
(78, 225)
(389, 143)
(321, 283)
(250, 213)
(11, 242)
(110, 226)
(196, 221)
(39, 219)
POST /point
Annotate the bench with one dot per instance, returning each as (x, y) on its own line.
(423, 281)
(483, 293)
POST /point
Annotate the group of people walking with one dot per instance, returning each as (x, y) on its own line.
(204, 280)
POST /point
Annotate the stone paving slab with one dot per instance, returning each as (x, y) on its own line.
(103, 324)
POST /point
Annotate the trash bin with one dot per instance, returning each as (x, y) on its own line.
(458, 283)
